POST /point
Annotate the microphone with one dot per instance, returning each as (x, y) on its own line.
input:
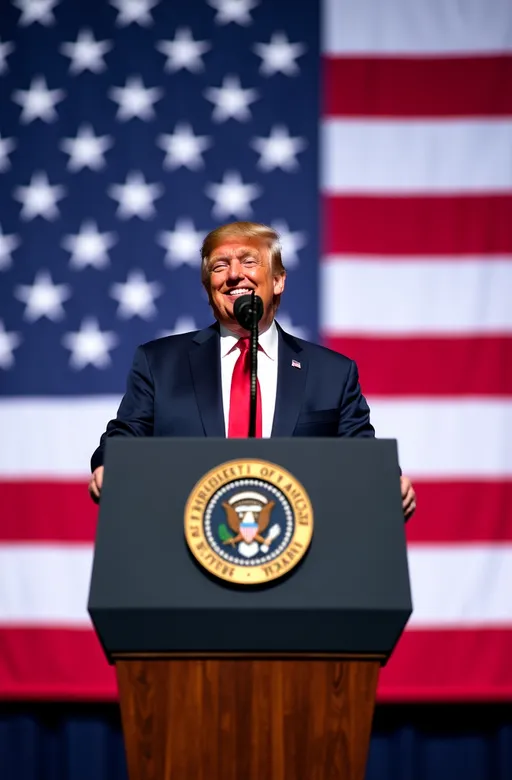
(248, 310)
(247, 306)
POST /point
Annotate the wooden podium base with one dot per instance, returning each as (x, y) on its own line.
(240, 718)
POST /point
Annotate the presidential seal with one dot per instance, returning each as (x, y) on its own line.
(248, 521)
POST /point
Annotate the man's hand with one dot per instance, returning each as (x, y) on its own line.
(96, 483)
(408, 497)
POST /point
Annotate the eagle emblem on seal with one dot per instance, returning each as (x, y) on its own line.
(248, 522)
(248, 517)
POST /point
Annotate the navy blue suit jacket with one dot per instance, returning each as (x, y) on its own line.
(174, 389)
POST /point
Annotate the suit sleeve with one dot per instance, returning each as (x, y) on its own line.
(135, 416)
(355, 412)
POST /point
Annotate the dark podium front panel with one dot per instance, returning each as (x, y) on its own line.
(350, 593)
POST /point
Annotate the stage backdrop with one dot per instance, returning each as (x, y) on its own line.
(377, 138)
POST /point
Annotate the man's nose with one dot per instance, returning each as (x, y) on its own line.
(235, 269)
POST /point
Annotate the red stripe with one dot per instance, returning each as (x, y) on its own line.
(448, 511)
(418, 225)
(454, 512)
(425, 666)
(418, 87)
(47, 511)
(469, 665)
(66, 665)
(430, 366)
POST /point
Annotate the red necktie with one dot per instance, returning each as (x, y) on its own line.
(239, 404)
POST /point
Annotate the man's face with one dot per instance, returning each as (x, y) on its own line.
(237, 267)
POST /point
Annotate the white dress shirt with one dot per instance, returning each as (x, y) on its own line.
(267, 373)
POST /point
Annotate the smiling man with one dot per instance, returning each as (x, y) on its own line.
(197, 384)
(237, 259)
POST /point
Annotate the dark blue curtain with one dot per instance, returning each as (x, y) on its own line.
(84, 742)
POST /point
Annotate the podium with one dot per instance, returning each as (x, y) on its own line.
(273, 678)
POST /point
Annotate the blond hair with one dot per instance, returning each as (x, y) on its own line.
(248, 230)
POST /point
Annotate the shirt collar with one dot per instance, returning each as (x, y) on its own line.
(268, 341)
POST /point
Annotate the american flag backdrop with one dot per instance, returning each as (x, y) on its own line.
(377, 138)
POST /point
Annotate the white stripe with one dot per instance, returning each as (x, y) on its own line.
(416, 296)
(451, 585)
(406, 156)
(464, 586)
(436, 437)
(52, 436)
(45, 584)
(416, 26)
(443, 438)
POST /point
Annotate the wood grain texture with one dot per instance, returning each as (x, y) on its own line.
(247, 719)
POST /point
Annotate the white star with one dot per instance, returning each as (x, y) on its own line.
(8, 343)
(86, 53)
(40, 197)
(278, 150)
(290, 243)
(89, 246)
(86, 150)
(182, 244)
(135, 100)
(6, 147)
(295, 330)
(231, 100)
(183, 51)
(136, 296)
(134, 11)
(279, 55)
(183, 147)
(183, 324)
(135, 196)
(232, 196)
(233, 10)
(7, 245)
(36, 11)
(90, 345)
(43, 298)
(38, 102)
(5, 49)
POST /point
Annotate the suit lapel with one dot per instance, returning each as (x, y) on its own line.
(205, 367)
(291, 384)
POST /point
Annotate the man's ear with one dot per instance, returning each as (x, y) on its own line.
(279, 282)
(206, 285)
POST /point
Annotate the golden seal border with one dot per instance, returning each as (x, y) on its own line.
(231, 471)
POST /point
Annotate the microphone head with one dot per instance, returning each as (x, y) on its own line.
(243, 309)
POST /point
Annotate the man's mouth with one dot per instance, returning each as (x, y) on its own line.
(238, 291)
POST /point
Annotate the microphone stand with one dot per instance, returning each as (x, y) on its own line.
(254, 367)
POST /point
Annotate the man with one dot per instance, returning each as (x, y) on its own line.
(197, 384)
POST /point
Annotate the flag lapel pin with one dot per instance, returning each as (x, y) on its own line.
(295, 364)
